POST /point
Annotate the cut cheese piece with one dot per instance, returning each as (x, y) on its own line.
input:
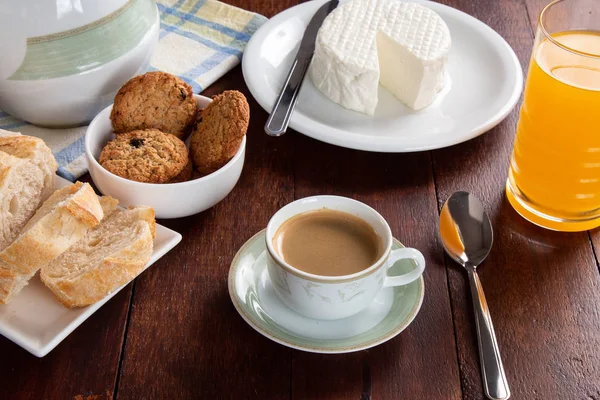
(403, 46)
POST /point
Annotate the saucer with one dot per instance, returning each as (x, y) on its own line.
(255, 299)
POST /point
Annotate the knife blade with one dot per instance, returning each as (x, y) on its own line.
(286, 101)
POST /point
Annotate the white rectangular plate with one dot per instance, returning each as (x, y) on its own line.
(38, 322)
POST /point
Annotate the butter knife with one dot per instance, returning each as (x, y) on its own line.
(284, 106)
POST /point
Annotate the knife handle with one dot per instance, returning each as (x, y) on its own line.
(284, 106)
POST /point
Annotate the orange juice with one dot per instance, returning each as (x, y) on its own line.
(554, 177)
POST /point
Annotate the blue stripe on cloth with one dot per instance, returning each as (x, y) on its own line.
(197, 6)
(206, 65)
(216, 59)
(200, 39)
(177, 5)
(13, 125)
(66, 174)
(196, 87)
(255, 22)
(172, 9)
(239, 42)
(71, 152)
(191, 17)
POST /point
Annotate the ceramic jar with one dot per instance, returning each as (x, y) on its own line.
(63, 61)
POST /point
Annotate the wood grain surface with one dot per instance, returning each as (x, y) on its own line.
(401, 188)
(83, 367)
(185, 339)
(174, 334)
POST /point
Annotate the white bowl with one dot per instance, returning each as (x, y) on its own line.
(170, 200)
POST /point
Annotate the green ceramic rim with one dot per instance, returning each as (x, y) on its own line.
(398, 318)
(79, 50)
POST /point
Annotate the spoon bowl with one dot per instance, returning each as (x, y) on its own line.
(465, 229)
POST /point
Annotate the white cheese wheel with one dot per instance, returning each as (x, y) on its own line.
(403, 46)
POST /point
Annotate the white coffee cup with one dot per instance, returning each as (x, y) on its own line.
(335, 297)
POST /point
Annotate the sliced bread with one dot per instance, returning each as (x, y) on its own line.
(109, 205)
(35, 150)
(5, 133)
(62, 220)
(21, 185)
(109, 256)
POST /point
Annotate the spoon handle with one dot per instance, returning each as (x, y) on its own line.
(494, 379)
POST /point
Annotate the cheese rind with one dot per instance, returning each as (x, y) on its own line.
(403, 46)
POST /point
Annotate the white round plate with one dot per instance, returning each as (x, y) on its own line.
(486, 81)
(255, 299)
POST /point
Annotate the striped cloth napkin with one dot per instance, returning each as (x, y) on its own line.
(200, 41)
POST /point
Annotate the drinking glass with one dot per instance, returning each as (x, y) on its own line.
(554, 176)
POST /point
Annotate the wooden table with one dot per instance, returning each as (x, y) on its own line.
(174, 334)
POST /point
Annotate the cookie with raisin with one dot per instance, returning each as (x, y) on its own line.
(155, 100)
(149, 156)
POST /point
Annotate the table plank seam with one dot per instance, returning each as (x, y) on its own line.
(532, 28)
(460, 370)
(123, 343)
(367, 385)
(294, 144)
(454, 333)
(594, 252)
(291, 351)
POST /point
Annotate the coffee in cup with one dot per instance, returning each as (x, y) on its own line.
(328, 243)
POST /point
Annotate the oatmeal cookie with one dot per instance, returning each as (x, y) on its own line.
(219, 130)
(149, 156)
(185, 174)
(155, 100)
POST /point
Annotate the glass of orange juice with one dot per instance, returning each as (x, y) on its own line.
(554, 176)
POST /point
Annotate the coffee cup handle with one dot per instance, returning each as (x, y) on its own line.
(404, 279)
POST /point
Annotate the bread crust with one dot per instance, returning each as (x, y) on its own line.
(5, 133)
(146, 213)
(108, 204)
(46, 237)
(21, 187)
(35, 150)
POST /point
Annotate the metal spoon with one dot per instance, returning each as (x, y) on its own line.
(466, 234)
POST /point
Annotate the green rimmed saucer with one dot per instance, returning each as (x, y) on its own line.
(251, 292)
